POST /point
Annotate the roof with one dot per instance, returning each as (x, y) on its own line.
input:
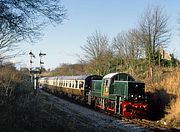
(120, 76)
(51, 78)
(82, 77)
(110, 75)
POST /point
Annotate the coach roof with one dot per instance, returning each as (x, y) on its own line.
(81, 77)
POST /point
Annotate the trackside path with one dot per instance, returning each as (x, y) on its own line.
(79, 118)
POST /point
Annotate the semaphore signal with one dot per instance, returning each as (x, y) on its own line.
(36, 70)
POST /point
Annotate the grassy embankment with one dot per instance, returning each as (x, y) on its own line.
(163, 91)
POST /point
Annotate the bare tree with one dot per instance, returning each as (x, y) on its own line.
(97, 53)
(8, 42)
(120, 44)
(153, 26)
(135, 46)
(128, 44)
(24, 19)
(128, 49)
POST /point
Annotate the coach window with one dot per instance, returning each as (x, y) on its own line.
(72, 84)
(66, 83)
(69, 83)
(60, 84)
(81, 84)
(76, 84)
(56, 82)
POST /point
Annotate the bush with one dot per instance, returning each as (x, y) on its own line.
(165, 96)
(12, 82)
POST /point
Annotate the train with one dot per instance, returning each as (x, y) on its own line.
(117, 93)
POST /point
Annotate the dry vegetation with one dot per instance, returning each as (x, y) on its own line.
(9, 81)
(164, 92)
(22, 110)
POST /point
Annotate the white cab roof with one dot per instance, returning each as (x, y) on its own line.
(110, 75)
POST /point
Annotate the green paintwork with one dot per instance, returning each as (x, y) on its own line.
(120, 89)
(115, 86)
(96, 88)
(115, 89)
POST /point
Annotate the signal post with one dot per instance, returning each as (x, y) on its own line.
(34, 71)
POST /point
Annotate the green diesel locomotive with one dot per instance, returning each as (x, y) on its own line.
(119, 93)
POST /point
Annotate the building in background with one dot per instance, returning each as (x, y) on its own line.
(165, 55)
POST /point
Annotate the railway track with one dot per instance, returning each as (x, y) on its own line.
(151, 125)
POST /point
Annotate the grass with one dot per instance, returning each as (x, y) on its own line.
(28, 113)
(37, 113)
(164, 90)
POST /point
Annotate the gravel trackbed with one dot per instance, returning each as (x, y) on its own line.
(79, 118)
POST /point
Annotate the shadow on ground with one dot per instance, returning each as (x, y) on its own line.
(158, 101)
